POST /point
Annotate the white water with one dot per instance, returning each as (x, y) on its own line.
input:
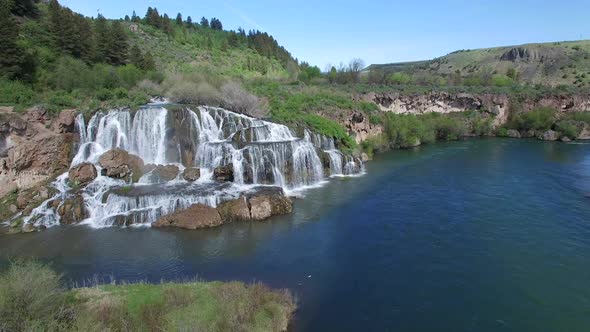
(261, 152)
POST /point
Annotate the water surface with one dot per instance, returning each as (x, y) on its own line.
(479, 235)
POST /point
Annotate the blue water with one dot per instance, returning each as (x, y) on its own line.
(478, 235)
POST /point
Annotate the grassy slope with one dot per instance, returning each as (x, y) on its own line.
(32, 299)
(554, 64)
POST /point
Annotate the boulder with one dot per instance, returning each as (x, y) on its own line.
(37, 114)
(529, 134)
(29, 228)
(82, 174)
(195, 217)
(365, 157)
(72, 210)
(191, 174)
(513, 133)
(161, 173)
(65, 122)
(235, 210)
(549, 135)
(268, 202)
(565, 139)
(120, 164)
(224, 173)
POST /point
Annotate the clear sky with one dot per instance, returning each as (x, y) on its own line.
(328, 32)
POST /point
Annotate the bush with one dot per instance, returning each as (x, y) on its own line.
(538, 119)
(194, 93)
(236, 99)
(31, 298)
(15, 93)
(568, 128)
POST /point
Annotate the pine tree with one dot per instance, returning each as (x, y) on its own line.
(12, 58)
(25, 8)
(148, 62)
(134, 17)
(216, 24)
(101, 33)
(117, 52)
(127, 18)
(179, 19)
(204, 22)
(189, 22)
(135, 56)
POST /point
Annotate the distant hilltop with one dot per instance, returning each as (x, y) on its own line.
(557, 63)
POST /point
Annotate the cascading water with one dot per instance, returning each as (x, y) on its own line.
(260, 153)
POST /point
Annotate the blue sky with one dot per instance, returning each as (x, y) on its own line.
(328, 32)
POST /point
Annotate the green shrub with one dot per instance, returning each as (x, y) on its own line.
(568, 128)
(16, 93)
(538, 119)
(502, 132)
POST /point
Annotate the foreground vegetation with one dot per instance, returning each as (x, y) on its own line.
(33, 298)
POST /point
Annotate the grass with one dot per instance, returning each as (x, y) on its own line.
(32, 297)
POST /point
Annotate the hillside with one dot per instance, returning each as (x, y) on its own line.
(558, 63)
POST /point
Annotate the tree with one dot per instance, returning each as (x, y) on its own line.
(117, 52)
(216, 24)
(101, 33)
(354, 68)
(25, 8)
(179, 19)
(135, 56)
(134, 17)
(204, 22)
(332, 75)
(12, 58)
(189, 22)
(148, 62)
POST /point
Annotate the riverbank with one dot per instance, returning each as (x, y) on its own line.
(32, 298)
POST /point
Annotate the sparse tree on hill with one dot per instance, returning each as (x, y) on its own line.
(204, 22)
(189, 22)
(179, 19)
(216, 24)
(148, 62)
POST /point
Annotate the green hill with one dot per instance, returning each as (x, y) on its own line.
(558, 63)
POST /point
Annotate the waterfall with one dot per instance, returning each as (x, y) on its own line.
(260, 152)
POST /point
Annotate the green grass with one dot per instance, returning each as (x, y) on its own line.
(32, 297)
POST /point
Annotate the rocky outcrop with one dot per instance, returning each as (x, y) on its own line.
(195, 217)
(191, 174)
(549, 135)
(224, 173)
(120, 164)
(72, 210)
(81, 175)
(161, 173)
(65, 122)
(360, 127)
(269, 202)
(513, 133)
(235, 210)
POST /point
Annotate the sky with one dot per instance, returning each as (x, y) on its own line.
(330, 32)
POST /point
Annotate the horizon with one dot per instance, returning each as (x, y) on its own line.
(376, 38)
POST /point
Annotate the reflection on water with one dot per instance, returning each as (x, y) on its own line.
(479, 235)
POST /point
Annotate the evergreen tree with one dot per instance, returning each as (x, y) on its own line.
(189, 22)
(166, 25)
(127, 18)
(134, 17)
(135, 56)
(204, 22)
(148, 62)
(101, 33)
(117, 41)
(25, 8)
(179, 19)
(216, 24)
(12, 58)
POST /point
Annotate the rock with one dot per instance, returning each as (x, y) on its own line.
(584, 133)
(195, 217)
(565, 139)
(120, 164)
(65, 121)
(29, 228)
(191, 174)
(224, 173)
(12, 208)
(72, 210)
(161, 173)
(365, 157)
(513, 133)
(43, 193)
(22, 200)
(37, 114)
(55, 203)
(268, 202)
(235, 210)
(82, 174)
(549, 135)
(529, 134)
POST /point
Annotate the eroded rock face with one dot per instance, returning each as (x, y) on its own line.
(161, 173)
(191, 174)
(65, 121)
(195, 217)
(120, 164)
(235, 210)
(82, 174)
(72, 210)
(513, 133)
(269, 202)
(224, 173)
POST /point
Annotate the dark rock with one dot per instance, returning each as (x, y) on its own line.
(29, 228)
(191, 174)
(529, 134)
(195, 217)
(82, 174)
(161, 173)
(235, 210)
(549, 135)
(513, 133)
(269, 201)
(120, 164)
(224, 173)
(72, 210)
